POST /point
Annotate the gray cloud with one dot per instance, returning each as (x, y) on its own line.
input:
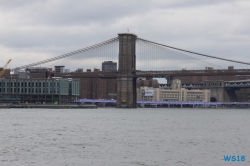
(39, 29)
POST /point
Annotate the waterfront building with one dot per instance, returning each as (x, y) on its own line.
(148, 93)
(177, 93)
(38, 90)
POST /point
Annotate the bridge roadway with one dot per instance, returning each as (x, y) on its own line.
(138, 73)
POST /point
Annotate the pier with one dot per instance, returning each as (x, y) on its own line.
(171, 104)
(50, 106)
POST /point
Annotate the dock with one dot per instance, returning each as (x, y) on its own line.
(49, 106)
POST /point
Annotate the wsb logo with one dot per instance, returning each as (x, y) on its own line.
(234, 158)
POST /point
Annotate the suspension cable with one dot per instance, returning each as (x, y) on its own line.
(69, 54)
(247, 63)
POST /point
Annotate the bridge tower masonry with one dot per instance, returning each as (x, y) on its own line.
(218, 92)
(126, 82)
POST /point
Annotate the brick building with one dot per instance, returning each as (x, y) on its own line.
(6, 73)
(147, 83)
(97, 88)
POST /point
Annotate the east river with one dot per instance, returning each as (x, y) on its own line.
(124, 137)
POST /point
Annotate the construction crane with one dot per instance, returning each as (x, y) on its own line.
(4, 68)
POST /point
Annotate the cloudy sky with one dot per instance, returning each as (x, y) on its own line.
(34, 30)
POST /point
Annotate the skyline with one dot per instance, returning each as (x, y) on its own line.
(32, 31)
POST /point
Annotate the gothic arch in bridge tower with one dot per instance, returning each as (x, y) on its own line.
(213, 99)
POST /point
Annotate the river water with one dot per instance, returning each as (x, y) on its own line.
(123, 137)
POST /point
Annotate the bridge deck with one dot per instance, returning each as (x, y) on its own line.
(100, 74)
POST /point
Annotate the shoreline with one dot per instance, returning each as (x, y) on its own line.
(50, 106)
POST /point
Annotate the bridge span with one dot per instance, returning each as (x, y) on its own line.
(127, 64)
(162, 74)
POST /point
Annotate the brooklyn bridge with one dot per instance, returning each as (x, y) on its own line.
(137, 58)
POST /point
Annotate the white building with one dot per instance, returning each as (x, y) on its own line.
(175, 94)
(148, 93)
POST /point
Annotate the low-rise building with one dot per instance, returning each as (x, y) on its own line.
(38, 90)
(148, 93)
(177, 93)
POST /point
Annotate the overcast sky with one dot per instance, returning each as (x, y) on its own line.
(34, 30)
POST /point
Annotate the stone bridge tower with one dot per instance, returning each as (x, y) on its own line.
(218, 93)
(126, 82)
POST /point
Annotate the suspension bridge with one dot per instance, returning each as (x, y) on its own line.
(138, 57)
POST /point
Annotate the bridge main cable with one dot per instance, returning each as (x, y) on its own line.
(247, 63)
(69, 54)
